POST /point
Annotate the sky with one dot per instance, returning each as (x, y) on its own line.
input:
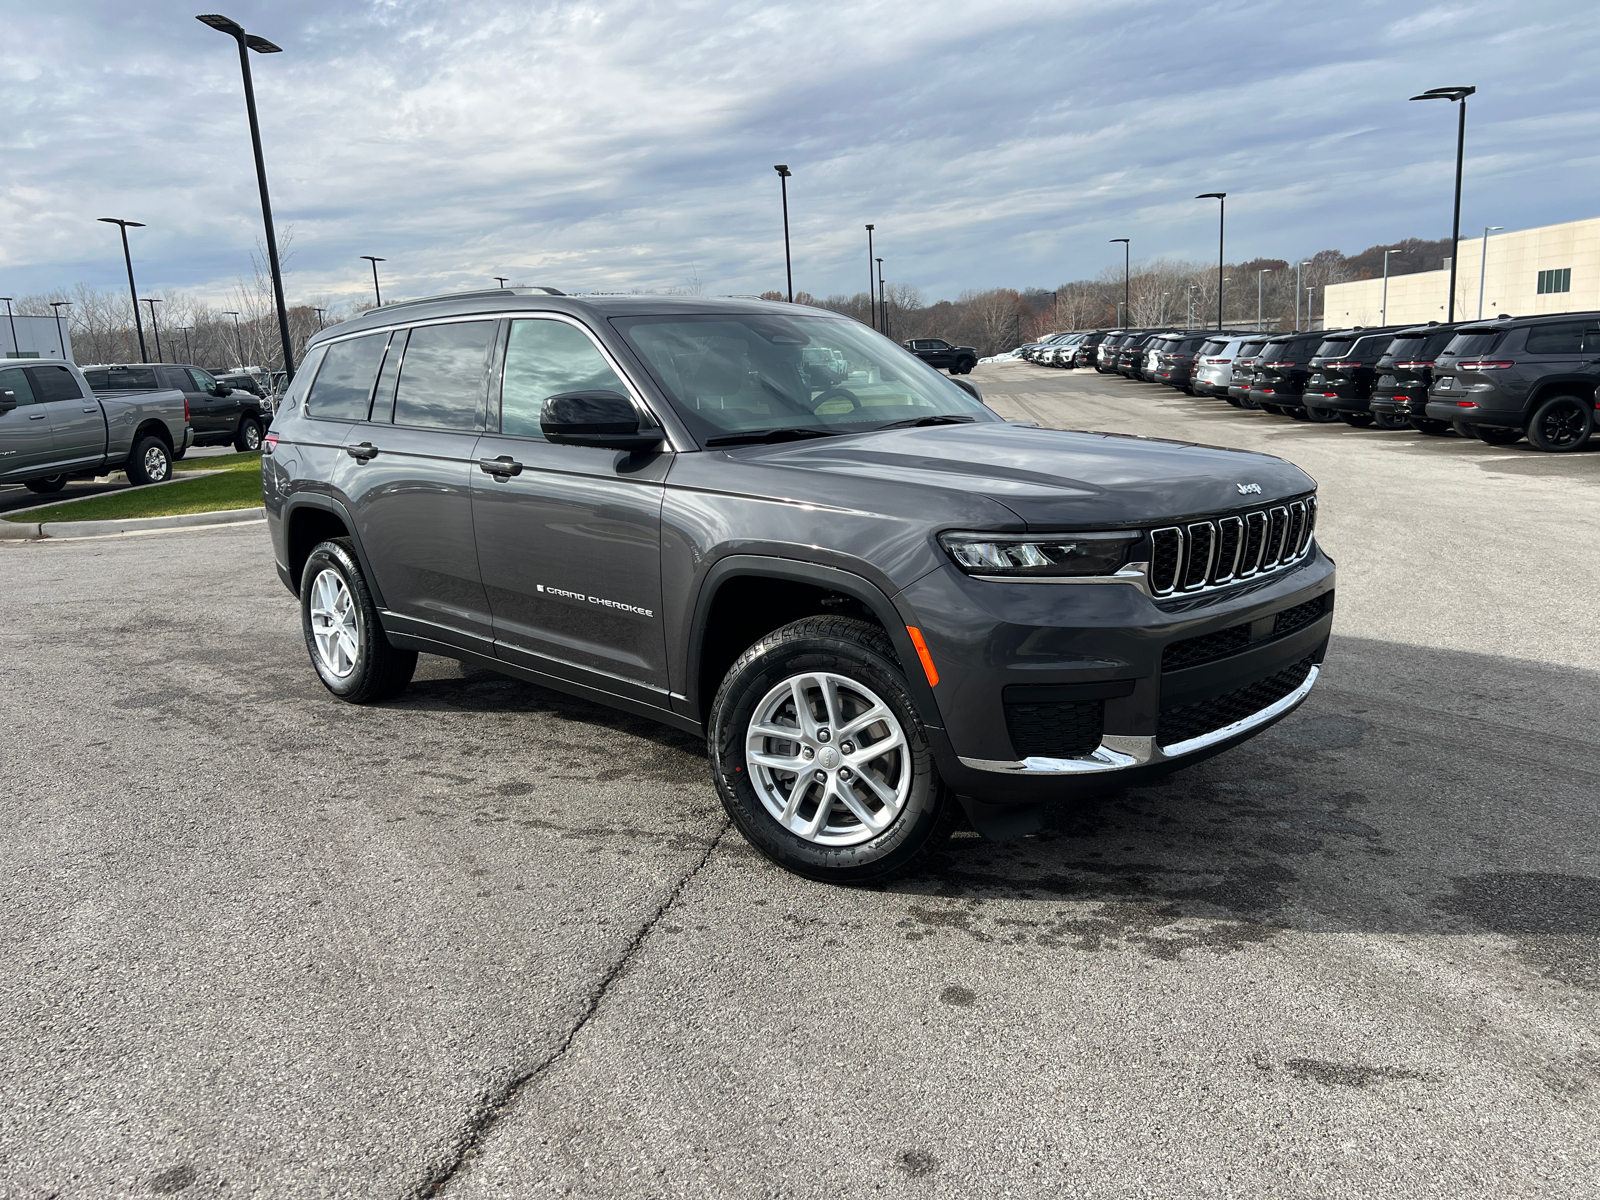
(629, 146)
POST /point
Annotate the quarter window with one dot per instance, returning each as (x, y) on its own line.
(343, 386)
(544, 359)
(441, 376)
(1555, 339)
(1558, 280)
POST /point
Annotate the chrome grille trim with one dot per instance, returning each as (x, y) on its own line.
(1200, 556)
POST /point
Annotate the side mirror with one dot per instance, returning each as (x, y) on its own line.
(968, 388)
(606, 420)
(8, 401)
(222, 390)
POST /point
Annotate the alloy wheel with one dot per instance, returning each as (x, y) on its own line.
(334, 628)
(252, 436)
(828, 759)
(156, 464)
(1564, 424)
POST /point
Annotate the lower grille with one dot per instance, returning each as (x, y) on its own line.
(1207, 716)
(1291, 620)
(1209, 647)
(1056, 729)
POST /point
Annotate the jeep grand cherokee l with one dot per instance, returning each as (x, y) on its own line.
(1343, 373)
(1400, 393)
(878, 601)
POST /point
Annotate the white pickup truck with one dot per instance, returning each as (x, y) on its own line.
(53, 428)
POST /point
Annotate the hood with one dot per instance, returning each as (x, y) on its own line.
(1051, 478)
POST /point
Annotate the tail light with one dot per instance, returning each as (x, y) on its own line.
(1349, 362)
(269, 443)
(186, 410)
(1415, 365)
(1484, 366)
(1219, 360)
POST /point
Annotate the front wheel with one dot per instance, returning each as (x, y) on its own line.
(1497, 437)
(248, 439)
(48, 485)
(348, 647)
(820, 757)
(150, 462)
(1562, 424)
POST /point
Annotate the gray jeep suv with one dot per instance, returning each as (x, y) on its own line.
(879, 602)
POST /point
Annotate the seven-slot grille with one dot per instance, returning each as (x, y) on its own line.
(1220, 550)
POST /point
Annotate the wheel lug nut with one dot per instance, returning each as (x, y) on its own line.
(821, 777)
(823, 735)
(847, 747)
(809, 752)
(847, 773)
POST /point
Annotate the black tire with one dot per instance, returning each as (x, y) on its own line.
(1390, 421)
(1429, 426)
(1321, 416)
(150, 462)
(1497, 437)
(377, 670)
(1462, 429)
(1356, 420)
(47, 486)
(248, 439)
(862, 655)
(1232, 401)
(1246, 402)
(1562, 424)
(1299, 414)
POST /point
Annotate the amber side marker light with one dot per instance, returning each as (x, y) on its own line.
(928, 668)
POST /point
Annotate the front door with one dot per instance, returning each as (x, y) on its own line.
(77, 426)
(209, 413)
(25, 441)
(570, 544)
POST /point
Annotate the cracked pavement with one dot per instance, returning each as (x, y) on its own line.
(489, 941)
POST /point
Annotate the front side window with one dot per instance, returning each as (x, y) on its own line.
(441, 376)
(343, 386)
(548, 358)
(1558, 280)
(1556, 339)
(743, 373)
(16, 382)
(204, 381)
(54, 383)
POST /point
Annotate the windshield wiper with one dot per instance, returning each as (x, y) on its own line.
(941, 419)
(751, 437)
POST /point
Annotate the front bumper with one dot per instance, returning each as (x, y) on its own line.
(1100, 652)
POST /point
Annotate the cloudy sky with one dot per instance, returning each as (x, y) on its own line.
(626, 145)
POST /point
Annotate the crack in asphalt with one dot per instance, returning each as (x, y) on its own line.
(489, 1114)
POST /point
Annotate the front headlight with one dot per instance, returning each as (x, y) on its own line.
(1039, 554)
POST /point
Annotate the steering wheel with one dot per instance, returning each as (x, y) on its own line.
(837, 393)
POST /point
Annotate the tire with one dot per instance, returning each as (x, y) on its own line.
(1357, 420)
(348, 648)
(1299, 414)
(1391, 421)
(1232, 401)
(150, 462)
(1561, 424)
(845, 843)
(1321, 416)
(1498, 437)
(1273, 409)
(248, 439)
(1464, 430)
(177, 455)
(1246, 402)
(47, 486)
(1429, 426)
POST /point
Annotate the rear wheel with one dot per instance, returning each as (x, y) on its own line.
(150, 462)
(1299, 414)
(348, 647)
(1429, 426)
(820, 757)
(1562, 424)
(1389, 420)
(1498, 437)
(1322, 416)
(1358, 420)
(48, 485)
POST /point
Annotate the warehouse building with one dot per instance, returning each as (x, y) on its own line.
(35, 337)
(1551, 269)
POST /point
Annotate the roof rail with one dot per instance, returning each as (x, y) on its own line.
(483, 292)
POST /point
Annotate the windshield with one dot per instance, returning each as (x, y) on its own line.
(1250, 349)
(1406, 349)
(744, 373)
(1334, 349)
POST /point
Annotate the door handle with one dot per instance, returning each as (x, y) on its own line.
(90, 410)
(36, 416)
(505, 466)
(362, 451)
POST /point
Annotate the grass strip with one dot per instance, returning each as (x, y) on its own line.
(237, 486)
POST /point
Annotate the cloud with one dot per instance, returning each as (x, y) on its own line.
(630, 145)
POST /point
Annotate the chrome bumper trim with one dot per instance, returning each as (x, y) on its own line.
(1119, 752)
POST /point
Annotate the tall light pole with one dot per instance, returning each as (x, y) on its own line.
(188, 352)
(1483, 265)
(1260, 320)
(1162, 319)
(1188, 307)
(156, 327)
(133, 292)
(237, 336)
(788, 264)
(1459, 96)
(374, 260)
(248, 42)
(1302, 263)
(58, 305)
(16, 350)
(1222, 214)
(883, 302)
(501, 279)
(872, 297)
(1127, 309)
(1383, 312)
(1310, 295)
(320, 323)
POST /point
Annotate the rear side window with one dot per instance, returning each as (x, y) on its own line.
(442, 375)
(16, 382)
(1576, 338)
(1474, 343)
(549, 358)
(343, 386)
(54, 383)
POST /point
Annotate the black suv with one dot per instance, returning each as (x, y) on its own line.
(1343, 372)
(1400, 393)
(1281, 369)
(1244, 370)
(219, 414)
(1537, 375)
(1175, 366)
(1087, 352)
(936, 352)
(870, 597)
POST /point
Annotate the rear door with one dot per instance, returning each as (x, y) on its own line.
(1569, 349)
(25, 442)
(77, 426)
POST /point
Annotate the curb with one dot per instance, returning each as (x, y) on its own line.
(111, 478)
(16, 531)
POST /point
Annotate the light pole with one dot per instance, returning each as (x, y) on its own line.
(58, 305)
(1126, 269)
(1260, 320)
(156, 327)
(1310, 295)
(320, 323)
(133, 292)
(188, 352)
(1188, 307)
(1222, 213)
(1162, 319)
(872, 299)
(788, 264)
(374, 260)
(16, 350)
(883, 303)
(1458, 95)
(1297, 266)
(501, 279)
(1483, 265)
(248, 42)
(238, 337)
(1383, 312)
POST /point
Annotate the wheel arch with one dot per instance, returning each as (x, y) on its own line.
(1580, 386)
(310, 518)
(151, 426)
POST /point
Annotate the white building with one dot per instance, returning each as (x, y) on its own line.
(1551, 269)
(35, 337)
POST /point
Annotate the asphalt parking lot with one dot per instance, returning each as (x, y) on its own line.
(489, 941)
